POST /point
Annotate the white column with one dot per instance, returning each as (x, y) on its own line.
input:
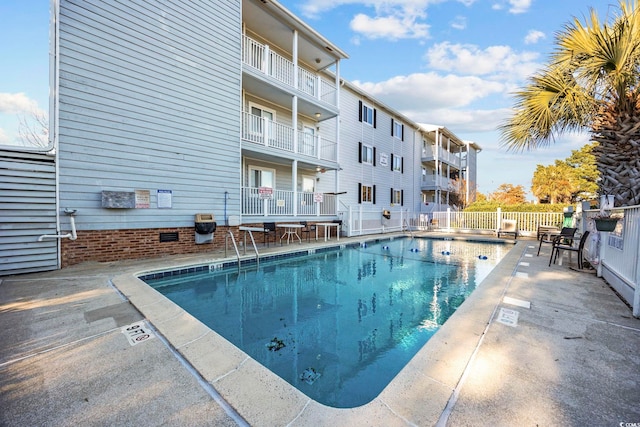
(294, 185)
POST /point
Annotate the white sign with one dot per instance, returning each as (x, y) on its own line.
(265, 193)
(318, 197)
(137, 332)
(384, 159)
(164, 199)
(508, 317)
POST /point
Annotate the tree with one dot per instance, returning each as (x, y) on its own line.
(34, 131)
(553, 183)
(583, 162)
(508, 194)
(590, 82)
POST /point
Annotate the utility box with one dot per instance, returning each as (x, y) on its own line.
(205, 226)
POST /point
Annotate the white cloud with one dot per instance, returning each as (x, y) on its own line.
(17, 103)
(501, 61)
(389, 27)
(459, 23)
(430, 91)
(519, 6)
(533, 36)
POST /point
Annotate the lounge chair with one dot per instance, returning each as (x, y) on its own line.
(559, 246)
(566, 233)
(508, 226)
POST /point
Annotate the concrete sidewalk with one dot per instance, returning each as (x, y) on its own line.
(561, 349)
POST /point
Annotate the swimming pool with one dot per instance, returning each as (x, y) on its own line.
(337, 325)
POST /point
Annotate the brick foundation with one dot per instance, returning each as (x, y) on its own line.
(118, 245)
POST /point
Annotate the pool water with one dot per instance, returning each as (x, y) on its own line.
(338, 325)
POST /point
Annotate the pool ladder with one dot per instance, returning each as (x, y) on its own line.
(235, 246)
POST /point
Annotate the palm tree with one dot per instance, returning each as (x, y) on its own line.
(590, 82)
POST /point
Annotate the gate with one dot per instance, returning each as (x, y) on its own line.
(27, 211)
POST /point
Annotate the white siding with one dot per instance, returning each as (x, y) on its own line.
(149, 99)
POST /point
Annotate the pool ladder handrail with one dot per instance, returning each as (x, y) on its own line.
(405, 225)
(235, 246)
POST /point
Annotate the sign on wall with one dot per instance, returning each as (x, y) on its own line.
(164, 199)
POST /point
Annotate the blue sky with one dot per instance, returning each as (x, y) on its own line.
(447, 62)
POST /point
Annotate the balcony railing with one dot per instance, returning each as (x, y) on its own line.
(261, 58)
(443, 155)
(260, 130)
(432, 183)
(280, 203)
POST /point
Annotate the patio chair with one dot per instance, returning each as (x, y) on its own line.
(269, 229)
(308, 228)
(508, 226)
(559, 246)
(566, 234)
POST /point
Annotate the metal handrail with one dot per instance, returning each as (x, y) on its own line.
(253, 242)
(233, 240)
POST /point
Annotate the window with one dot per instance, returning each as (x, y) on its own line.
(366, 154)
(366, 194)
(397, 197)
(367, 114)
(261, 177)
(397, 163)
(397, 130)
(261, 122)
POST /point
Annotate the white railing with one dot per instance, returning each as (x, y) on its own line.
(281, 203)
(363, 220)
(260, 130)
(443, 155)
(618, 254)
(486, 222)
(263, 59)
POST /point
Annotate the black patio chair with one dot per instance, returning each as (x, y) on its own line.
(308, 228)
(559, 246)
(269, 230)
(566, 234)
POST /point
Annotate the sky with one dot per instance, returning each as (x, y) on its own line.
(454, 63)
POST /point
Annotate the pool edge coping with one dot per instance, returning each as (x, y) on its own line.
(418, 394)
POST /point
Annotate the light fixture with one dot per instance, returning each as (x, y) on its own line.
(318, 60)
(318, 115)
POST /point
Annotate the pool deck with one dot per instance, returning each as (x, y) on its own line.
(533, 345)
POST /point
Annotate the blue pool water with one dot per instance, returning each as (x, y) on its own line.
(338, 325)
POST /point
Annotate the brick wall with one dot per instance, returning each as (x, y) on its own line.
(118, 245)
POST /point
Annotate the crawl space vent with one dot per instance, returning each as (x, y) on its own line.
(169, 237)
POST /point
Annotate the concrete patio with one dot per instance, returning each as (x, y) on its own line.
(533, 345)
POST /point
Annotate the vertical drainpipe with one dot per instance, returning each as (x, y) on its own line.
(337, 139)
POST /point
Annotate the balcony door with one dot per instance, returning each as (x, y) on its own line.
(307, 143)
(262, 121)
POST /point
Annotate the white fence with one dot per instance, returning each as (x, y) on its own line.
(617, 256)
(486, 222)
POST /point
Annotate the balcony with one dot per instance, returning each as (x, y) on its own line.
(281, 203)
(264, 132)
(432, 183)
(429, 154)
(259, 58)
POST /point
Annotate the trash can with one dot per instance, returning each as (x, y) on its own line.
(205, 226)
(568, 217)
(386, 214)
